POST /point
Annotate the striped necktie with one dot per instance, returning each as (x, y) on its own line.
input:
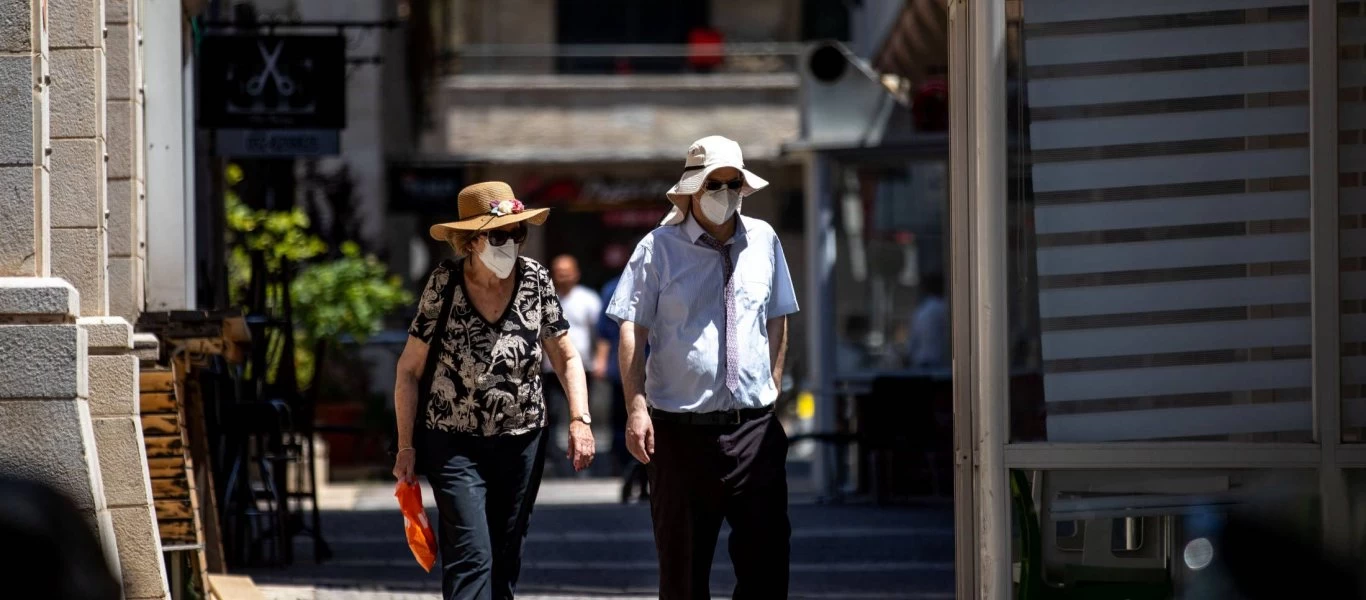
(732, 343)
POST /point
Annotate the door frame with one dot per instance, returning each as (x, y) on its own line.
(982, 449)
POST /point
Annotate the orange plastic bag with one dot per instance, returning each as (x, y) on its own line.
(421, 540)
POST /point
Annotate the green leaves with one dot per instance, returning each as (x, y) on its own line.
(333, 300)
(279, 234)
(346, 297)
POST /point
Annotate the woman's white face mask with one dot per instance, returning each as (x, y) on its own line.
(499, 259)
(719, 206)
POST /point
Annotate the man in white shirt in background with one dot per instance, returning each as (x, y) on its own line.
(929, 343)
(582, 308)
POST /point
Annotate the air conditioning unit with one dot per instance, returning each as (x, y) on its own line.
(843, 100)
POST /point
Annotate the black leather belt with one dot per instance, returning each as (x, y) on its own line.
(720, 417)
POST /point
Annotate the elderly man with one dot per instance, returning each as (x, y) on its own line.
(710, 292)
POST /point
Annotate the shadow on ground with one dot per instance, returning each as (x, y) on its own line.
(604, 550)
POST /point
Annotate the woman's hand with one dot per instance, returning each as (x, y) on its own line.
(403, 465)
(581, 445)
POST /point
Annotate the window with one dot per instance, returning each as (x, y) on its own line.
(1160, 534)
(1352, 211)
(891, 263)
(627, 22)
(1159, 232)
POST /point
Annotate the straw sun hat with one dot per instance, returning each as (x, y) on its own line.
(706, 155)
(489, 205)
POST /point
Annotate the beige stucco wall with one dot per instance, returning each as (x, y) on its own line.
(583, 118)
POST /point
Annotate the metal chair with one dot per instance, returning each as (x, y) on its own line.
(268, 431)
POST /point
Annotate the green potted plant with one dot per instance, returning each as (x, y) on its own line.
(338, 299)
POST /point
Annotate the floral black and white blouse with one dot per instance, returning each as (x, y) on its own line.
(488, 376)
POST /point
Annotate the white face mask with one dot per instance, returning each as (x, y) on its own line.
(719, 206)
(499, 259)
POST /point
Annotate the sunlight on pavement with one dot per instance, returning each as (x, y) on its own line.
(380, 496)
(584, 543)
(289, 592)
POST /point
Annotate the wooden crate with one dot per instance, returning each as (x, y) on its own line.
(174, 425)
(167, 461)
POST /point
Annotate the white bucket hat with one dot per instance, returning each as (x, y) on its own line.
(706, 155)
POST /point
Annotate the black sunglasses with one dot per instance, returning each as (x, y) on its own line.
(712, 185)
(498, 237)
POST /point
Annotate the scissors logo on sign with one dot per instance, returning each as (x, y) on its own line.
(284, 85)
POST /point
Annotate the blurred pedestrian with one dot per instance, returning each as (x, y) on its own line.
(929, 336)
(851, 351)
(582, 307)
(710, 291)
(607, 370)
(471, 414)
(607, 361)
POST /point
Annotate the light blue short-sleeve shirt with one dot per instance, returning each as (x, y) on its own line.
(675, 287)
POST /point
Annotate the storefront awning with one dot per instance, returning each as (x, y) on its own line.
(907, 65)
(918, 44)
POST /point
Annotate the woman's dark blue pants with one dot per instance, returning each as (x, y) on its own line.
(485, 488)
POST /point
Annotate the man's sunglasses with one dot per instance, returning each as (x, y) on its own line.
(498, 237)
(712, 185)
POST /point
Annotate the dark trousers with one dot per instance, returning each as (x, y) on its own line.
(557, 421)
(702, 474)
(485, 488)
(634, 476)
(621, 457)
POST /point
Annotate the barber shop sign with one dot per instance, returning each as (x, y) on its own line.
(273, 81)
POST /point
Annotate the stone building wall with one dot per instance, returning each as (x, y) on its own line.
(68, 389)
(126, 183)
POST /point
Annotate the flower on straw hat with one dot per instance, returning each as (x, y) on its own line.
(507, 207)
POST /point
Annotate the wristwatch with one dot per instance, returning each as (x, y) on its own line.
(587, 420)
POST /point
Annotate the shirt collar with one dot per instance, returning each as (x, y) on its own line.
(694, 231)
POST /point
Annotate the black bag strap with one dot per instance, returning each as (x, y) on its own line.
(434, 348)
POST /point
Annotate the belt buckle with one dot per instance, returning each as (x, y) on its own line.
(739, 416)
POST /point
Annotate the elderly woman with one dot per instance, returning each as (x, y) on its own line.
(471, 416)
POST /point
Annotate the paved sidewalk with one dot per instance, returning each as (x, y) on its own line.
(585, 544)
(380, 496)
(370, 496)
(285, 592)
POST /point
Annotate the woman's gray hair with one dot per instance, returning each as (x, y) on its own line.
(462, 242)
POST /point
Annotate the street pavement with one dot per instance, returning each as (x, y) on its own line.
(585, 544)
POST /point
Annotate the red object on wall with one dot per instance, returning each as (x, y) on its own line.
(930, 105)
(705, 50)
(615, 256)
(344, 449)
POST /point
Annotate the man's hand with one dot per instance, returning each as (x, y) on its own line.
(640, 436)
(600, 370)
(581, 445)
(403, 466)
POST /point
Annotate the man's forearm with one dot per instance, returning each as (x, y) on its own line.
(777, 348)
(632, 364)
